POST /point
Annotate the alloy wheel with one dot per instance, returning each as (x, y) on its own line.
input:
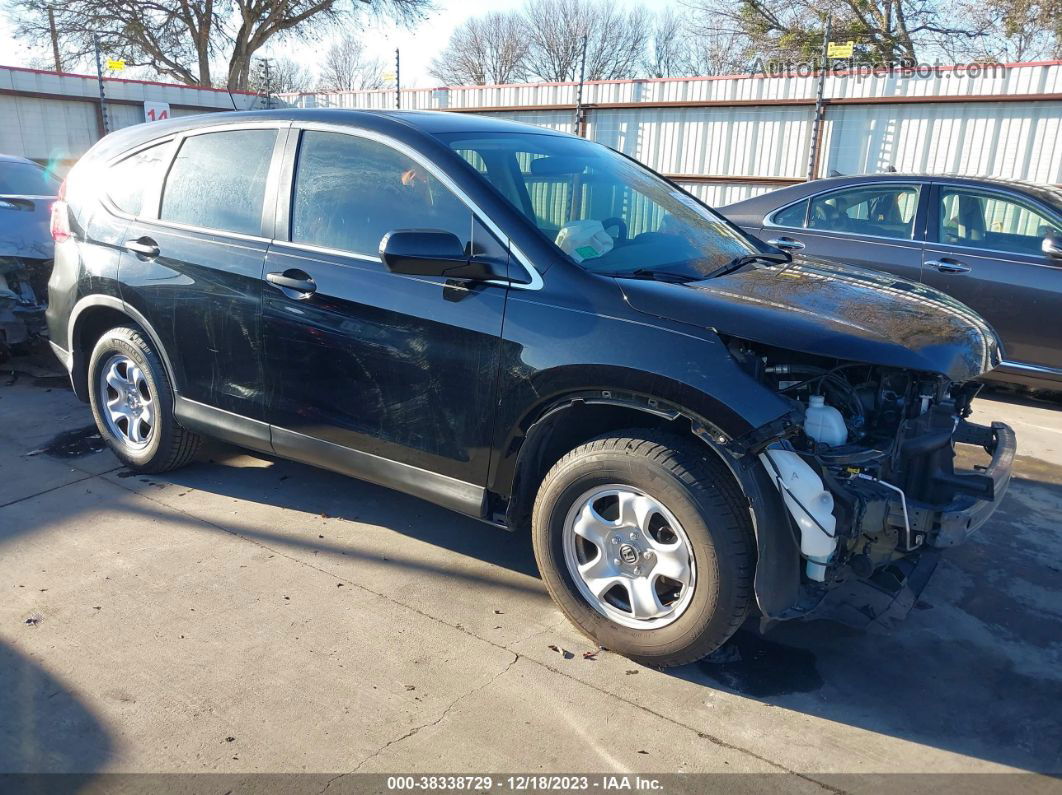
(629, 557)
(128, 407)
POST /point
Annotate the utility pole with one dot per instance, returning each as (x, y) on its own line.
(267, 79)
(55, 39)
(104, 121)
(816, 123)
(579, 122)
(398, 80)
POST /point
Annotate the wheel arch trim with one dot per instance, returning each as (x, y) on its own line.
(79, 357)
(777, 576)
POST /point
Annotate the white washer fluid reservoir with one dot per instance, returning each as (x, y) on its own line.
(824, 423)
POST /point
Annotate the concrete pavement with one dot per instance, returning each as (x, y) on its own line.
(247, 614)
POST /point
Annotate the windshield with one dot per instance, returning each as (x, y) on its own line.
(26, 179)
(605, 211)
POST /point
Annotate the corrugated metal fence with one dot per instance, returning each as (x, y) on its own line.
(728, 138)
(725, 138)
(54, 117)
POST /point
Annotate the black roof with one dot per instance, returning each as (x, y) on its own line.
(398, 122)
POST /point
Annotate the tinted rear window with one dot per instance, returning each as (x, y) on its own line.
(217, 181)
(26, 179)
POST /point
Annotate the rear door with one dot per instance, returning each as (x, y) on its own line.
(876, 225)
(985, 249)
(194, 263)
(389, 377)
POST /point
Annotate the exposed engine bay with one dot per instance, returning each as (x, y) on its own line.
(869, 475)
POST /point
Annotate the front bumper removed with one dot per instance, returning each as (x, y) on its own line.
(966, 514)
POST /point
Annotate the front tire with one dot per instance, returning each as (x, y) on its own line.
(642, 540)
(132, 403)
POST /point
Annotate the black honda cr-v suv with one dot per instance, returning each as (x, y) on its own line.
(531, 329)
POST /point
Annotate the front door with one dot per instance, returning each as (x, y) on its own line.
(390, 377)
(872, 226)
(985, 248)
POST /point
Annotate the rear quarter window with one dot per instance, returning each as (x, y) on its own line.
(793, 215)
(131, 180)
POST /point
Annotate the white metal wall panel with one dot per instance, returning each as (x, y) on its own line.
(34, 81)
(978, 80)
(720, 194)
(46, 129)
(1009, 139)
(559, 120)
(741, 141)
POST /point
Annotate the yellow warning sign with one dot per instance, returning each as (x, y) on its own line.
(837, 49)
(118, 64)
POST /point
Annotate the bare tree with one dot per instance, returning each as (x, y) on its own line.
(186, 39)
(885, 30)
(284, 76)
(1013, 30)
(488, 49)
(347, 67)
(680, 46)
(668, 54)
(616, 39)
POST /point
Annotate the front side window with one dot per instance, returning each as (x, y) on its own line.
(26, 179)
(990, 221)
(880, 211)
(351, 191)
(130, 181)
(607, 212)
(218, 181)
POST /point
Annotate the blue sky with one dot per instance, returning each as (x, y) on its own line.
(418, 46)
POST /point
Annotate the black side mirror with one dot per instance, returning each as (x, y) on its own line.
(1052, 245)
(430, 252)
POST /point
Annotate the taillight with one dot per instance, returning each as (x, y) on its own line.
(61, 217)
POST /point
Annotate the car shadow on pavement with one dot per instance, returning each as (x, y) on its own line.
(315, 492)
(974, 669)
(44, 727)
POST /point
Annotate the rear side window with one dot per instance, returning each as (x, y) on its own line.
(26, 179)
(130, 181)
(351, 191)
(881, 211)
(218, 181)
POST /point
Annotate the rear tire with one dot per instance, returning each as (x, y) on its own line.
(132, 403)
(656, 502)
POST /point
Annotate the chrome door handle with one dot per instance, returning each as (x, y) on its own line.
(786, 244)
(294, 279)
(145, 247)
(945, 265)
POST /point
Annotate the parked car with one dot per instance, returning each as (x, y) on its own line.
(26, 195)
(994, 244)
(532, 330)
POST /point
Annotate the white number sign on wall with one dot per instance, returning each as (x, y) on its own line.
(156, 111)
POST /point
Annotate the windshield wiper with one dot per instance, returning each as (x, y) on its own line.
(780, 258)
(660, 276)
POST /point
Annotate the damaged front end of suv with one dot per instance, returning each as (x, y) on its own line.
(875, 479)
(876, 462)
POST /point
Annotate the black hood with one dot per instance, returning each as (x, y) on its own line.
(834, 311)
